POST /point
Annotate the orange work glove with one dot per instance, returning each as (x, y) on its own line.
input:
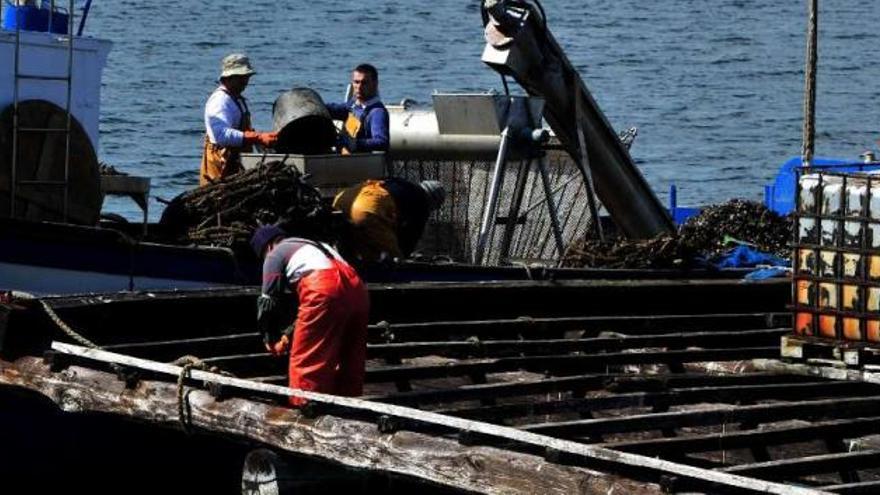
(265, 139)
(279, 348)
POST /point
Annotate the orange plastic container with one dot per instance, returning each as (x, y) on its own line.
(828, 326)
(803, 324)
(872, 330)
(852, 329)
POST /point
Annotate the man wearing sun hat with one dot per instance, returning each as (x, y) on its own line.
(228, 130)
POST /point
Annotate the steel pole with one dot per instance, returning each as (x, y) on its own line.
(551, 207)
(489, 218)
(812, 57)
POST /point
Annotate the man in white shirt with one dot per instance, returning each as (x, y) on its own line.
(228, 130)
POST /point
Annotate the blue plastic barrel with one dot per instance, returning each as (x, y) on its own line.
(779, 196)
(31, 18)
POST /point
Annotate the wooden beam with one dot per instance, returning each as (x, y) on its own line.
(811, 465)
(822, 370)
(536, 327)
(350, 442)
(612, 381)
(729, 440)
(500, 348)
(764, 413)
(262, 363)
(169, 350)
(673, 397)
(166, 350)
(93, 300)
(861, 488)
(563, 365)
(720, 481)
(241, 343)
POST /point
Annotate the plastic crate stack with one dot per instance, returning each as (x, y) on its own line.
(837, 256)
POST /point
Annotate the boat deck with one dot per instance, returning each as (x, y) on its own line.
(508, 387)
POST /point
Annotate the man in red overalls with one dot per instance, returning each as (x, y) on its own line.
(328, 344)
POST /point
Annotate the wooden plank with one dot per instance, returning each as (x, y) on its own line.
(844, 428)
(674, 397)
(660, 382)
(816, 464)
(862, 488)
(349, 442)
(839, 352)
(498, 348)
(628, 324)
(494, 390)
(562, 365)
(204, 347)
(151, 298)
(763, 413)
(262, 363)
(869, 375)
(214, 346)
(587, 452)
(616, 381)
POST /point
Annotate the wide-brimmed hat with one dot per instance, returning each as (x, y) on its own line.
(263, 236)
(236, 64)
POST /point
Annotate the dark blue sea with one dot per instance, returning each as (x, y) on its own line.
(715, 87)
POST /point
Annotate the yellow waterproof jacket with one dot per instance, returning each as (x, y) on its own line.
(373, 215)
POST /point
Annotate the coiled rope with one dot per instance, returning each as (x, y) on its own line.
(187, 364)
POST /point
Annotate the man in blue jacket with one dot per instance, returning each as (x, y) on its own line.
(365, 118)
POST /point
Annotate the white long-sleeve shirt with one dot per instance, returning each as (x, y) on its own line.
(223, 119)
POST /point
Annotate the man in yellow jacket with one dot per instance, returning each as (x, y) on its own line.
(228, 131)
(387, 216)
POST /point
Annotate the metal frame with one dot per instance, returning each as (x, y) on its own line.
(814, 278)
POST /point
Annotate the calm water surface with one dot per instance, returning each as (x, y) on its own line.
(715, 87)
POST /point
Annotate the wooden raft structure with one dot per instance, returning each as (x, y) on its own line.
(576, 386)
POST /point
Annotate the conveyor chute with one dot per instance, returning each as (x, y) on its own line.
(520, 45)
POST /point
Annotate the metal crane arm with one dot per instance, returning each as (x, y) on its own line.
(519, 44)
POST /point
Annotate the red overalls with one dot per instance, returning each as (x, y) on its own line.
(329, 348)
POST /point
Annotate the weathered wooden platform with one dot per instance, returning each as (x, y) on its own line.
(524, 387)
(817, 350)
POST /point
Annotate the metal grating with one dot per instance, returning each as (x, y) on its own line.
(453, 230)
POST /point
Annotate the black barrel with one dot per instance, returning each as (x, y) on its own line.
(303, 123)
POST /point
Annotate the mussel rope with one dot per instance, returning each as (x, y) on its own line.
(188, 363)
